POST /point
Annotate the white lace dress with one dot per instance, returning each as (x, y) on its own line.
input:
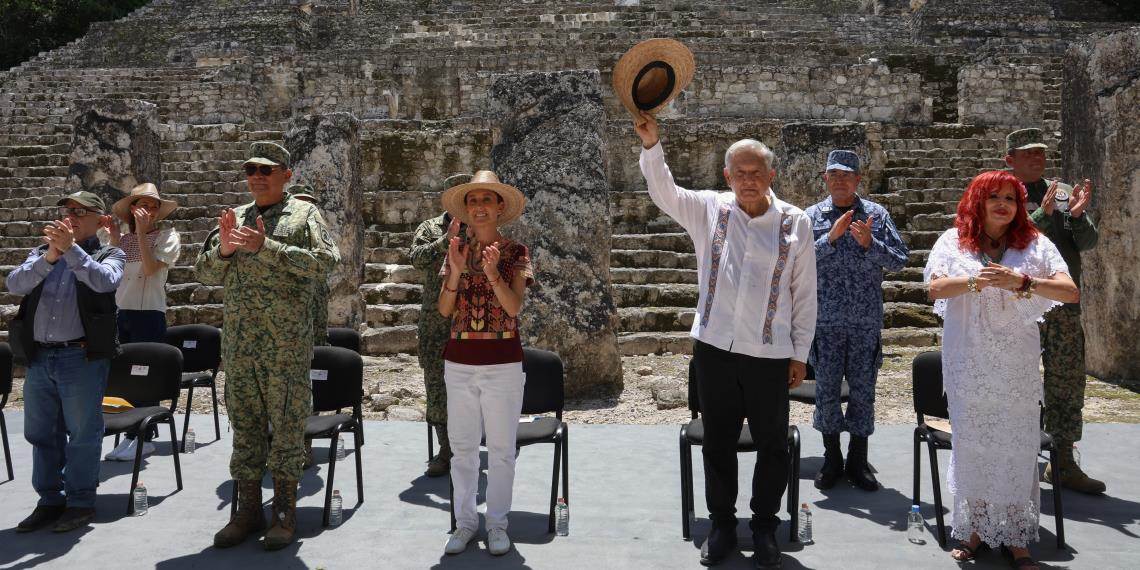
(990, 355)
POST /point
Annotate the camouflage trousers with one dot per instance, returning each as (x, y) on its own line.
(855, 354)
(260, 393)
(436, 392)
(1063, 354)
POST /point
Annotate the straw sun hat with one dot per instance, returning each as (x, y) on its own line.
(122, 207)
(651, 74)
(513, 200)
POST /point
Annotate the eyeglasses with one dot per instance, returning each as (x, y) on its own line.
(77, 212)
(264, 169)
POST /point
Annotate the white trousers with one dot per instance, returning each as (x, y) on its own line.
(482, 399)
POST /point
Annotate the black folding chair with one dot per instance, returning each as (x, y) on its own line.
(338, 382)
(929, 400)
(805, 392)
(543, 393)
(5, 389)
(345, 338)
(145, 372)
(693, 433)
(201, 347)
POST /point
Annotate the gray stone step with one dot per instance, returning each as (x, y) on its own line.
(645, 276)
(391, 293)
(645, 319)
(901, 314)
(678, 242)
(390, 340)
(391, 273)
(905, 291)
(643, 258)
(931, 222)
(385, 315)
(656, 295)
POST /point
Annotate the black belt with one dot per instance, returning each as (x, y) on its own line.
(77, 343)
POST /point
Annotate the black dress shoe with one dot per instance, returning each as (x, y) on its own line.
(767, 551)
(73, 518)
(42, 516)
(720, 543)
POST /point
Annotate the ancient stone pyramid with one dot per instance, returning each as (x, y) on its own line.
(925, 91)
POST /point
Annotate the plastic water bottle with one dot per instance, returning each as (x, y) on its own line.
(914, 526)
(336, 514)
(191, 442)
(805, 524)
(139, 495)
(339, 448)
(562, 518)
(1076, 456)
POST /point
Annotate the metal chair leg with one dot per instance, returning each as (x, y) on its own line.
(135, 471)
(186, 423)
(332, 475)
(686, 490)
(7, 450)
(794, 491)
(431, 443)
(566, 463)
(937, 489)
(916, 492)
(174, 452)
(214, 397)
(358, 439)
(554, 486)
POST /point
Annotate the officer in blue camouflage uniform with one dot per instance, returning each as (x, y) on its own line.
(1072, 230)
(267, 254)
(855, 242)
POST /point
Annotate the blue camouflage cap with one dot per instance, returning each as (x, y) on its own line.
(843, 160)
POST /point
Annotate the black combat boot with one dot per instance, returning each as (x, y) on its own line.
(832, 462)
(858, 471)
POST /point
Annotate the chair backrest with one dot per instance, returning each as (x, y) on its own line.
(345, 338)
(544, 382)
(201, 346)
(337, 376)
(146, 372)
(5, 368)
(926, 386)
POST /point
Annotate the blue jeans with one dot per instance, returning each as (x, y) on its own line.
(63, 420)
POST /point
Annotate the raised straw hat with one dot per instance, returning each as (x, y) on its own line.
(651, 74)
(513, 200)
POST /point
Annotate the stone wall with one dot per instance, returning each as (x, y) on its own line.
(115, 147)
(419, 155)
(1100, 137)
(1000, 95)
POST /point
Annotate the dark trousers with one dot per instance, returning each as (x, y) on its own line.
(733, 387)
(142, 326)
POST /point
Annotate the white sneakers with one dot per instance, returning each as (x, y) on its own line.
(458, 541)
(498, 543)
(126, 450)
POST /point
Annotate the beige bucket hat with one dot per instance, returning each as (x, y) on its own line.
(122, 207)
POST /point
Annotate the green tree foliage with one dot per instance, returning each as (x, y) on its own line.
(28, 27)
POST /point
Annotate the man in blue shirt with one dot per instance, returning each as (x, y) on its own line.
(855, 242)
(65, 334)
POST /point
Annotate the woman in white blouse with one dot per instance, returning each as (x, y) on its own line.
(151, 249)
(993, 277)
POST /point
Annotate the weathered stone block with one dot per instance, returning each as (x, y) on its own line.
(803, 155)
(115, 147)
(550, 144)
(1100, 131)
(326, 155)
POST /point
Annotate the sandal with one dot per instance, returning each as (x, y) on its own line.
(1021, 562)
(971, 551)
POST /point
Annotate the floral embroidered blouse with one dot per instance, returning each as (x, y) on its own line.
(481, 330)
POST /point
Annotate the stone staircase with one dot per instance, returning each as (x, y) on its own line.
(224, 75)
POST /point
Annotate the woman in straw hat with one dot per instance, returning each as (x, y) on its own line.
(484, 280)
(151, 250)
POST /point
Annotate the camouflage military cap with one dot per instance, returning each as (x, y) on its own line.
(1025, 139)
(87, 199)
(265, 152)
(302, 192)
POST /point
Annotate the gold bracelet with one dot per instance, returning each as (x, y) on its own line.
(972, 284)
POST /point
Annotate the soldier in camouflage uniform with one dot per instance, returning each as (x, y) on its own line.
(1072, 229)
(267, 254)
(429, 248)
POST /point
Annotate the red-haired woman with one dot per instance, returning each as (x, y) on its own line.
(993, 277)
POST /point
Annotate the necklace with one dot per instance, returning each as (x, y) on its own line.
(994, 242)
